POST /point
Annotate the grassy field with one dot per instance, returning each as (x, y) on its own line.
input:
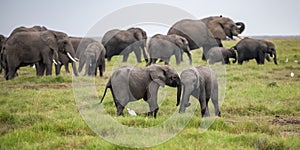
(261, 109)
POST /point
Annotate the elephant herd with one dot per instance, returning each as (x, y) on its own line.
(42, 47)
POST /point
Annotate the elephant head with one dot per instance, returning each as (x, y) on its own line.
(65, 45)
(232, 54)
(91, 55)
(140, 35)
(183, 43)
(165, 75)
(272, 51)
(222, 27)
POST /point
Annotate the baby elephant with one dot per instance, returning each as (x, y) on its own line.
(221, 54)
(131, 83)
(164, 46)
(202, 83)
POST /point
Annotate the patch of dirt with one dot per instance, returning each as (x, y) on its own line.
(48, 86)
(285, 121)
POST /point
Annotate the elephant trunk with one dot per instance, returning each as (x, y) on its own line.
(241, 27)
(178, 94)
(235, 58)
(189, 54)
(55, 58)
(185, 99)
(275, 59)
(71, 52)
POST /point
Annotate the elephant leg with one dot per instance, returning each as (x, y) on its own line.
(178, 57)
(40, 69)
(219, 42)
(57, 69)
(145, 54)
(167, 61)
(152, 99)
(101, 70)
(206, 114)
(81, 64)
(67, 67)
(138, 55)
(240, 59)
(125, 57)
(120, 108)
(202, 100)
(11, 72)
(205, 50)
(75, 71)
(48, 69)
(215, 100)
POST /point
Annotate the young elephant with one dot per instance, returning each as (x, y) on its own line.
(93, 57)
(130, 84)
(257, 49)
(200, 82)
(221, 54)
(164, 46)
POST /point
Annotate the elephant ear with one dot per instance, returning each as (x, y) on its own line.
(158, 75)
(216, 28)
(180, 42)
(50, 39)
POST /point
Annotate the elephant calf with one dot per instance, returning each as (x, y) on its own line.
(257, 49)
(93, 57)
(164, 46)
(130, 84)
(202, 83)
(221, 54)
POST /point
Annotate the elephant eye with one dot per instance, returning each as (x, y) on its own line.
(65, 42)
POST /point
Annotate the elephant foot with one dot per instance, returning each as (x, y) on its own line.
(153, 113)
(188, 104)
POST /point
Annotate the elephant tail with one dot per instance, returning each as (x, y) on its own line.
(108, 85)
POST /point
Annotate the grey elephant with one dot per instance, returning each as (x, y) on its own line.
(123, 42)
(2, 61)
(221, 54)
(207, 32)
(79, 44)
(164, 46)
(200, 82)
(41, 48)
(93, 57)
(257, 49)
(130, 84)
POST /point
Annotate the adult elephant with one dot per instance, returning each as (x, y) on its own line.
(221, 54)
(207, 32)
(130, 84)
(123, 42)
(200, 82)
(93, 57)
(257, 49)
(164, 46)
(26, 48)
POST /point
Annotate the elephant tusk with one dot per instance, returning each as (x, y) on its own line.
(239, 37)
(76, 59)
(54, 62)
(69, 55)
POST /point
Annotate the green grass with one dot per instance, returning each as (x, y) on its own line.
(261, 101)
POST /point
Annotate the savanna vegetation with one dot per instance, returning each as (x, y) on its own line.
(260, 110)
